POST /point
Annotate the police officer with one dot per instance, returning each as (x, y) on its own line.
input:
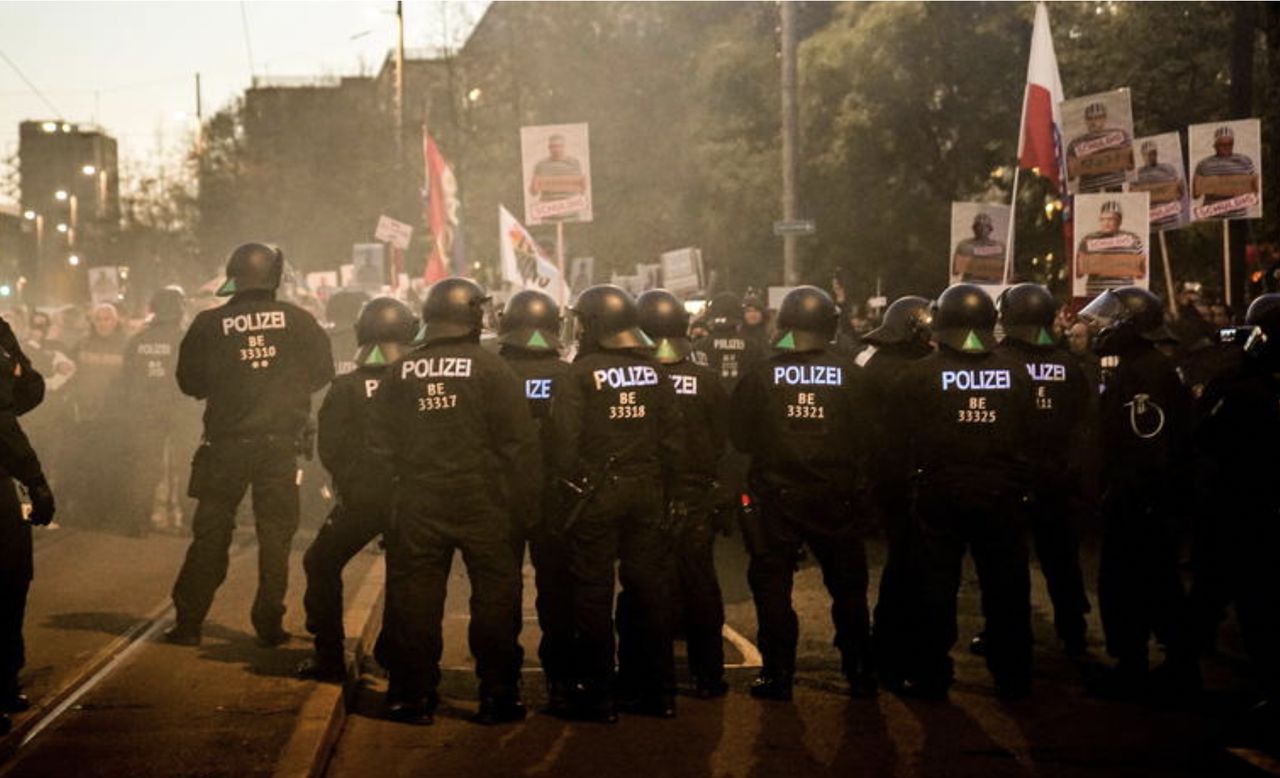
(802, 418)
(730, 353)
(450, 423)
(1238, 431)
(902, 337)
(153, 404)
(1061, 425)
(21, 389)
(963, 415)
(704, 408)
(343, 313)
(1143, 421)
(528, 337)
(617, 441)
(384, 330)
(255, 361)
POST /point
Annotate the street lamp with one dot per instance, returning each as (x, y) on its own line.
(61, 195)
(89, 170)
(62, 227)
(73, 260)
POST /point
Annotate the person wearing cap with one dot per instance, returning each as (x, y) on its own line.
(255, 362)
(755, 323)
(1224, 162)
(697, 494)
(1155, 174)
(1144, 419)
(451, 426)
(903, 337)
(618, 440)
(1098, 138)
(529, 341)
(362, 495)
(341, 313)
(154, 408)
(730, 353)
(979, 259)
(963, 417)
(803, 419)
(1108, 239)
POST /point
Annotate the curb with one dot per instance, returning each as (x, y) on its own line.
(324, 713)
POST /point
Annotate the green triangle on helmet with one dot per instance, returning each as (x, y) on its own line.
(536, 340)
(1043, 338)
(227, 289)
(666, 350)
(375, 356)
(973, 343)
(787, 341)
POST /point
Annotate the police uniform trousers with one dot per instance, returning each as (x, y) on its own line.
(991, 524)
(344, 533)
(622, 524)
(892, 616)
(15, 579)
(146, 447)
(222, 473)
(553, 597)
(428, 525)
(826, 523)
(1254, 536)
(1140, 591)
(1057, 545)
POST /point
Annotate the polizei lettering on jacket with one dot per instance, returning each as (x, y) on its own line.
(623, 377)
(253, 322)
(972, 380)
(537, 388)
(436, 367)
(1045, 372)
(808, 375)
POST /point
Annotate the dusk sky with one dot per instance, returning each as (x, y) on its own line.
(130, 66)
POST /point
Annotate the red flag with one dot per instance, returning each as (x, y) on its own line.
(1040, 137)
(441, 210)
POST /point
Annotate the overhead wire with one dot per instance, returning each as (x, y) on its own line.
(35, 89)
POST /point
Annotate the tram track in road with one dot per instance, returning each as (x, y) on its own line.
(48, 710)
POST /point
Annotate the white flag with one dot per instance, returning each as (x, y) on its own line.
(524, 266)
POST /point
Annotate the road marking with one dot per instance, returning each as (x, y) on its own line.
(1257, 759)
(750, 654)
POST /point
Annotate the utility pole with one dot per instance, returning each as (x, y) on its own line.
(199, 121)
(399, 96)
(790, 120)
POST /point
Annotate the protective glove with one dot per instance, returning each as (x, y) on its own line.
(42, 504)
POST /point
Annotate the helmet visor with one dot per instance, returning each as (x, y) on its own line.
(1106, 310)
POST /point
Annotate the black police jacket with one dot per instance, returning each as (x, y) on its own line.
(1062, 422)
(538, 371)
(150, 360)
(255, 361)
(615, 403)
(963, 422)
(1239, 424)
(344, 345)
(21, 388)
(704, 417)
(1144, 420)
(731, 354)
(343, 422)
(450, 417)
(803, 419)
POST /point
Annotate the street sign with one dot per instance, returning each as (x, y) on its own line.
(797, 227)
(396, 233)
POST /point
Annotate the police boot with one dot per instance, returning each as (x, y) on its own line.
(922, 688)
(593, 704)
(709, 688)
(558, 694)
(324, 668)
(183, 635)
(274, 638)
(1127, 680)
(772, 687)
(978, 646)
(499, 710)
(862, 678)
(12, 700)
(1176, 680)
(5, 724)
(419, 711)
(660, 705)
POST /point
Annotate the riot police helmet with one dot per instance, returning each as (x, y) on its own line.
(906, 320)
(168, 304)
(724, 311)
(530, 321)
(608, 318)
(454, 308)
(384, 330)
(1120, 315)
(964, 319)
(1264, 317)
(253, 267)
(806, 321)
(1027, 312)
(664, 319)
(344, 307)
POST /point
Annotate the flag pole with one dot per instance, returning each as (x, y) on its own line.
(1168, 273)
(1013, 220)
(1226, 262)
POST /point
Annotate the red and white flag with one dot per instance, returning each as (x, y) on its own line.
(1040, 135)
(442, 212)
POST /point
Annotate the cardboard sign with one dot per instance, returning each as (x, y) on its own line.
(1161, 191)
(556, 170)
(1112, 160)
(396, 233)
(1113, 265)
(1224, 186)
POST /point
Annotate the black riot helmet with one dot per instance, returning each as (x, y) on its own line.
(384, 330)
(531, 321)
(1264, 317)
(609, 319)
(907, 320)
(454, 308)
(1027, 312)
(253, 267)
(665, 320)
(344, 306)
(964, 319)
(806, 320)
(1118, 317)
(724, 311)
(168, 304)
